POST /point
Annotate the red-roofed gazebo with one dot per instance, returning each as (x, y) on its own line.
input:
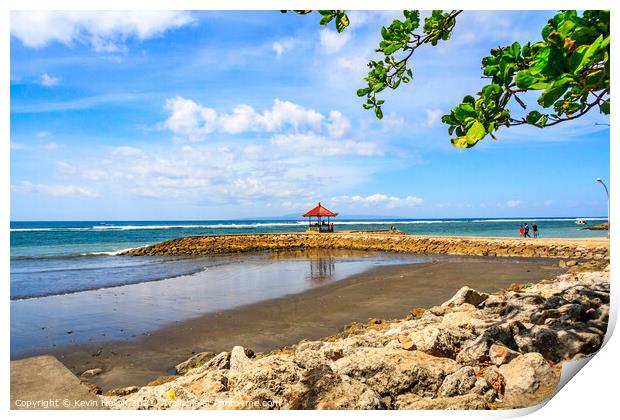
(319, 212)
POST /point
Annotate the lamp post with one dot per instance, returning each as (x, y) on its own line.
(599, 180)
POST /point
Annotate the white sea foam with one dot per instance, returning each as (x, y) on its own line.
(535, 220)
(291, 223)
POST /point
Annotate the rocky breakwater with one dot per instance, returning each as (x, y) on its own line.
(475, 351)
(581, 249)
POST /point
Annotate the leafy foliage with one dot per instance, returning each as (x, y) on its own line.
(570, 66)
(400, 40)
(341, 18)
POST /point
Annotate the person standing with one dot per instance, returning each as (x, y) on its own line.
(526, 231)
(535, 230)
(521, 231)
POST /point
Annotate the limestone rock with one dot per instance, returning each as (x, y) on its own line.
(123, 391)
(221, 361)
(529, 380)
(477, 350)
(406, 342)
(195, 361)
(462, 402)
(458, 383)
(238, 360)
(322, 389)
(500, 355)
(91, 372)
(440, 341)
(494, 378)
(269, 378)
(393, 371)
(466, 295)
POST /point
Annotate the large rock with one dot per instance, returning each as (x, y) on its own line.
(122, 391)
(460, 382)
(221, 362)
(500, 355)
(321, 389)
(394, 371)
(529, 380)
(466, 295)
(91, 372)
(477, 351)
(238, 360)
(439, 341)
(268, 379)
(462, 402)
(195, 361)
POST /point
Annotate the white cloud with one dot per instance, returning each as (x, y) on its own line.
(433, 117)
(378, 200)
(126, 151)
(56, 190)
(42, 134)
(231, 173)
(474, 26)
(392, 122)
(317, 145)
(47, 80)
(65, 168)
(51, 146)
(338, 124)
(280, 47)
(332, 41)
(102, 30)
(188, 119)
(192, 121)
(356, 65)
(513, 203)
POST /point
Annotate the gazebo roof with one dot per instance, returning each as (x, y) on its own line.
(319, 210)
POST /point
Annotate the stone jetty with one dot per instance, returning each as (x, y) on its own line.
(576, 249)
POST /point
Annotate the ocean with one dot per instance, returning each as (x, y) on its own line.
(51, 258)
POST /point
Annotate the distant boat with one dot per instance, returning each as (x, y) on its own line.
(581, 222)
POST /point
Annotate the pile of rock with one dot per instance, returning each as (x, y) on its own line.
(475, 351)
(593, 250)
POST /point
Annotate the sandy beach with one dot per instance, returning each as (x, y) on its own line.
(383, 292)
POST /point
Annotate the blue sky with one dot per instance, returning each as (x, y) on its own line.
(219, 115)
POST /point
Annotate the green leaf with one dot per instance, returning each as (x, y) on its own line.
(391, 46)
(554, 91)
(515, 50)
(342, 21)
(461, 142)
(475, 133)
(463, 111)
(590, 54)
(605, 107)
(526, 79)
(378, 112)
(326, 19)
(533, 117)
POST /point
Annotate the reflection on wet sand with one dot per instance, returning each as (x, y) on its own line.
(322, 262)
(131, 311)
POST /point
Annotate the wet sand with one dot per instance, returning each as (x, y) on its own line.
(385, 292)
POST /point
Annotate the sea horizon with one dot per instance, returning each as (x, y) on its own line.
(335, 220)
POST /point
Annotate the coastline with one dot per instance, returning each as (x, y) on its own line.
(474, 351)
(359, 305)
(386, 292)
